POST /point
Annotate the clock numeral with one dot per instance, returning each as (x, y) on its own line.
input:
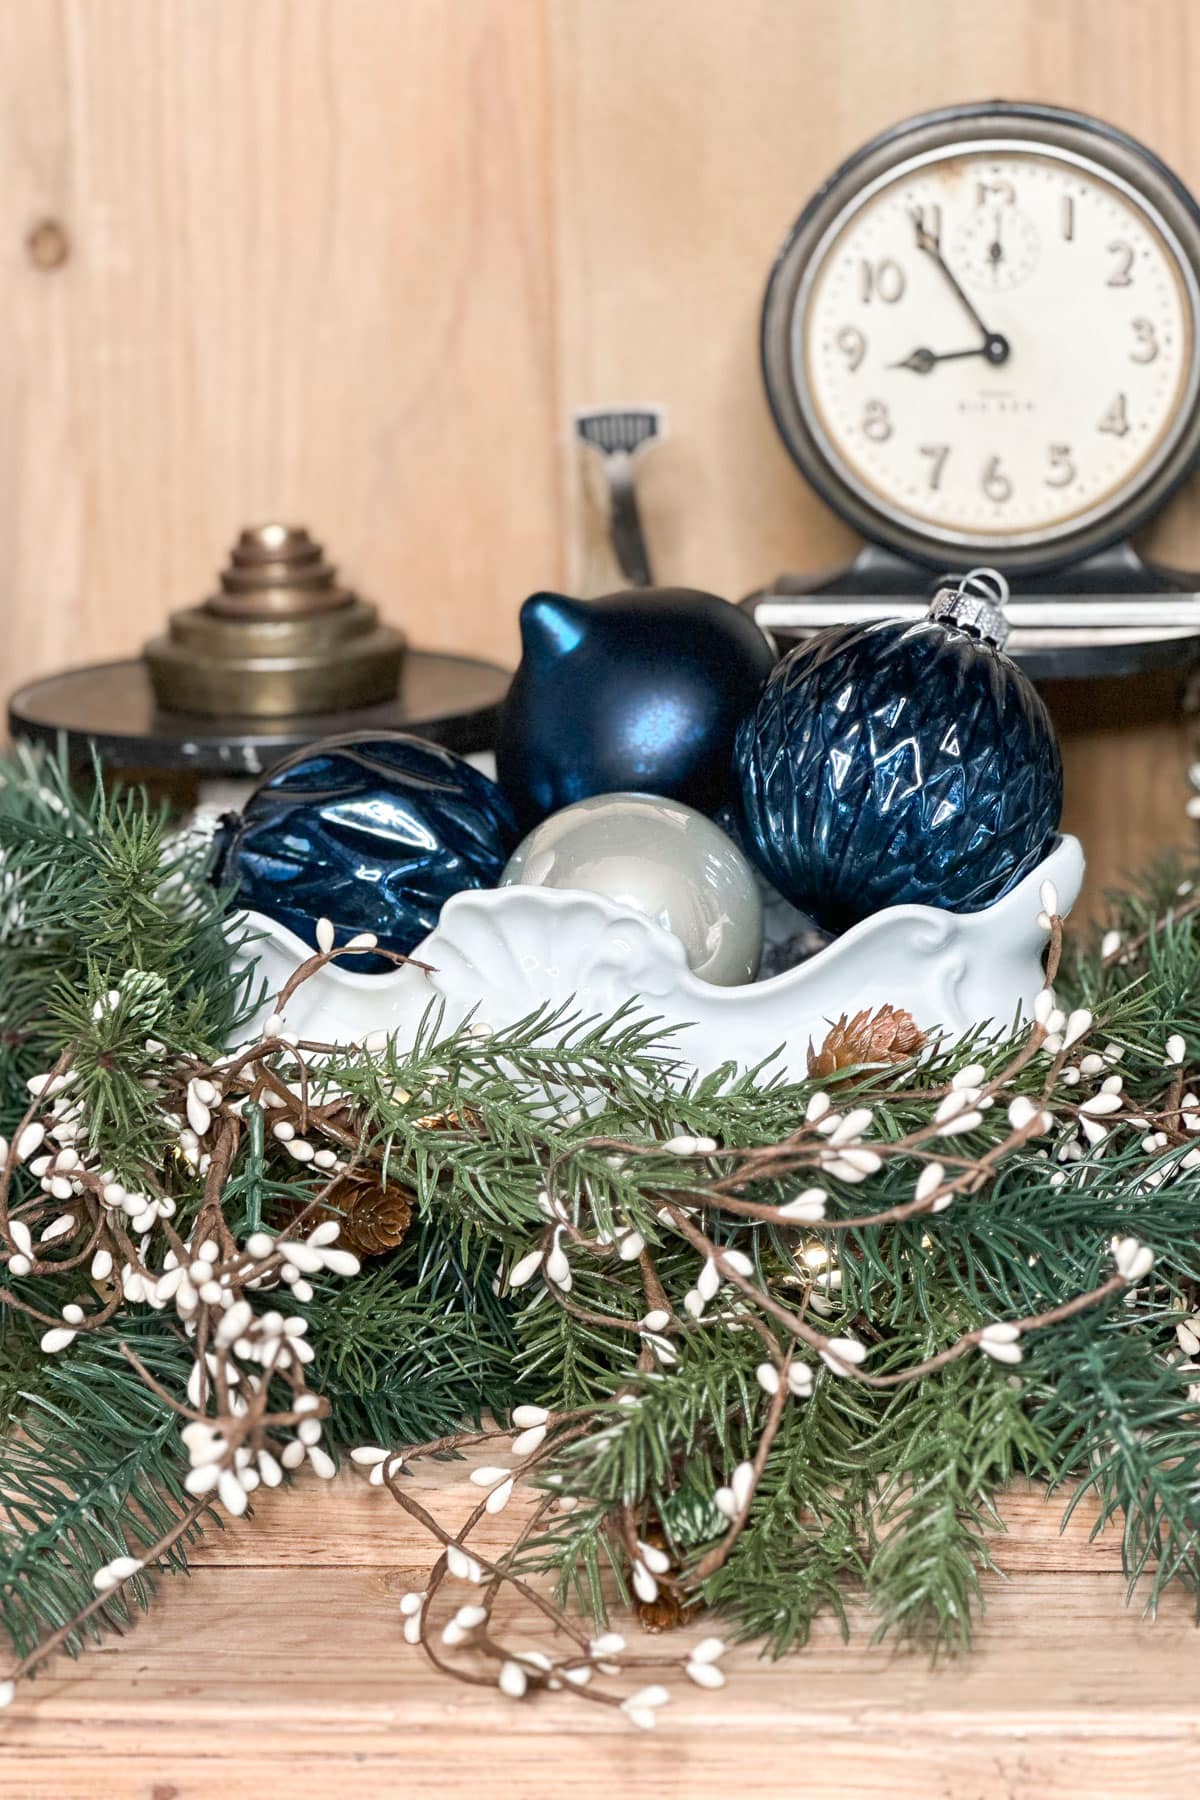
(877, 422)
(883, 279)
(1121, 273)
(995, 483)
(1000, 190)
(937, 453)
(1116, 419)
(1062, 469)
(1147, 342)
(852, 344)
(1067, 217)
(928, 219)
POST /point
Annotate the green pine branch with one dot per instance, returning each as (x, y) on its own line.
(895, 1492)
(89, 1470)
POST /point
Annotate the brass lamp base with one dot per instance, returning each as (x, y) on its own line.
(280, 639)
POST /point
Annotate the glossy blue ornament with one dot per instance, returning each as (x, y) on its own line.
(641, 692)
(374, 834)
(893, 762)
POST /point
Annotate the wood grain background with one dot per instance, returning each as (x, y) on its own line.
(354, 262)
(277, 1668)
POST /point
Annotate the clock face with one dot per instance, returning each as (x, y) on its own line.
(992, 344)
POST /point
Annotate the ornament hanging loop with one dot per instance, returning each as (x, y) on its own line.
(974, 602)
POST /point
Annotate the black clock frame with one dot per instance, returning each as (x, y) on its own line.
(1058, 128)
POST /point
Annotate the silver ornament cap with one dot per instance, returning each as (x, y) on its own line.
(974, 602)
(661, 858)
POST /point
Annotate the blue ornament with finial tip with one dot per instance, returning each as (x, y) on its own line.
(895, 762)
(639, 692)
(373, 833)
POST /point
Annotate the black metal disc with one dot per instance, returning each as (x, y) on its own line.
(451, 700)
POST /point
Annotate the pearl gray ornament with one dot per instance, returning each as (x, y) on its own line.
(660, 858)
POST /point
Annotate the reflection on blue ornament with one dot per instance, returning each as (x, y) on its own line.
(374, 834)
(894, 763)
(641, 692)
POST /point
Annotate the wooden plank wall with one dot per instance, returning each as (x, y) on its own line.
(355, 261)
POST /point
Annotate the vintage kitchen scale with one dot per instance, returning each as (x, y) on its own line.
(981, 344)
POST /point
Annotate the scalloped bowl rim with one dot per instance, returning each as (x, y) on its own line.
(1063, 865)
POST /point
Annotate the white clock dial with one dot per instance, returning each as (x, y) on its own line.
(996, 342)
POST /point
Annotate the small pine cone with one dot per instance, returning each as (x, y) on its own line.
(375, 1218)
(890, 1035)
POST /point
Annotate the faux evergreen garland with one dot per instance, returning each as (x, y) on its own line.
(736, 1345)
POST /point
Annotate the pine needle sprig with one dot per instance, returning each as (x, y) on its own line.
(416, 1348)
(1119, 1423)
(91, 1472)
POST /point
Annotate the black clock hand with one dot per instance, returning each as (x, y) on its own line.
(995, 347)
(921, 360)
(996, 248)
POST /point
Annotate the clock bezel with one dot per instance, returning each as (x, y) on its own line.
(1053, 130)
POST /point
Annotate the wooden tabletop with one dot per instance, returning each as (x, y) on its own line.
(278, 1669)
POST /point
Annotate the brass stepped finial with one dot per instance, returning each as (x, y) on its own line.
(280, 639)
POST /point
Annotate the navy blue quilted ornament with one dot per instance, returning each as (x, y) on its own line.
(641, 692)
(895, 762)
(374, 834)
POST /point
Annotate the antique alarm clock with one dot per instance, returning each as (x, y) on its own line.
(981, 344)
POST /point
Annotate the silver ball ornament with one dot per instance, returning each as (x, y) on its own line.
(663, 859)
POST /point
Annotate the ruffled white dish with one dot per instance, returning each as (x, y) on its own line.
(502, 952)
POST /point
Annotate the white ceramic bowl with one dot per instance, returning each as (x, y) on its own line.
(502, 952)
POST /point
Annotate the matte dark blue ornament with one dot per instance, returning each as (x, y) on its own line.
(641, 692)
(893, 762)
(374, 834)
